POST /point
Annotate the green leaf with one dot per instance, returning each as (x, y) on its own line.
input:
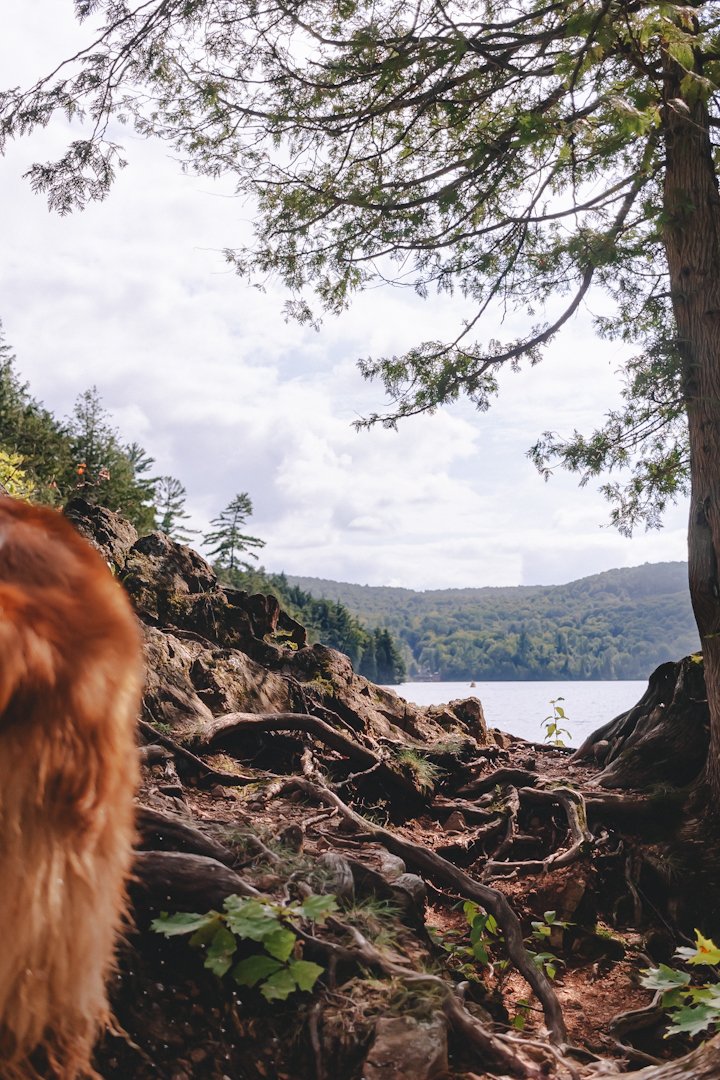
(221, 951)
(549, 916)
(204, 934)
(540, 929)
(673, 999)
(250, 919)
(480, 952)
(691, 1020)
(663, 978)
(708, 995)
(317, 908)
(280, 943)
(183, 922)
(470, 911)
(279, 986)
(250, 971)
(305, 973)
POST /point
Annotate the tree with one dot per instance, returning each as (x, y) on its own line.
(170, 495)
(103, 470)
(31, 439)
(519, 155)
(229, 542)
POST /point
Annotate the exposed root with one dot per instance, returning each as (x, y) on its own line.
(207, 772)
(499, 778)
(512, 808)
(226, 729)
(167, 880)
(574, 805)
(492, 1045)
(172, 832)
(441, 807)
(441, 870)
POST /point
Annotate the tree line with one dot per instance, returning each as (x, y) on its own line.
(620, 624)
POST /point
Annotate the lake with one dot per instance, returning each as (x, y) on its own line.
(519, 707)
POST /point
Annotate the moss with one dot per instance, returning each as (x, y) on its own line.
(321, 685)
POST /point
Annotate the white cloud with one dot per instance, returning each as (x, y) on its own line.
(133, 295)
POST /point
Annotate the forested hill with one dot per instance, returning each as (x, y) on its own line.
(616, 625)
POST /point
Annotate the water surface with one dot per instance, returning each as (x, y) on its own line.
(519, 707)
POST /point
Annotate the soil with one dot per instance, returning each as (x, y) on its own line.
(178, 1020)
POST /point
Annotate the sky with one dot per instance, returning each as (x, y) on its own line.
(133, 296)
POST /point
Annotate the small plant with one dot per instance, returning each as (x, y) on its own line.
(520, 1019)
(485, 936)
(276, 971)
(553, 732)
(691, 1009)
(424, 773)
(542, 931)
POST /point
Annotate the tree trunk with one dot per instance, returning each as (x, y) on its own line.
(661, 740)
(692, 245)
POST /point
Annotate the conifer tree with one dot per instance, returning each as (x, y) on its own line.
(170, 495)
(226, 541)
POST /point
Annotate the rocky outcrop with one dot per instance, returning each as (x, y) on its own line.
(212, 650)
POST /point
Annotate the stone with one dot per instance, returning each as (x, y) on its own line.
(455, 822)
(408, 1049)
(390, 866)
(111, 534)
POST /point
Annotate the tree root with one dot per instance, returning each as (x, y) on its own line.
(574, 805)
(499, 778)
(442, 807)
(701, 1064)
(443, 871)
(512, 808)
(225, 729)
(169, 829)
(494, 1045)
(174, 880)
(209, 774)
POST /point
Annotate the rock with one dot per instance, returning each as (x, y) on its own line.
(291, 837)
(407, 1049)
(111, 534)
(455, 822)
(412, 886)
(336, 875)
(390, 866)
(212, 649)
(463, 715)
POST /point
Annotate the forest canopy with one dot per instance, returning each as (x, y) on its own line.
(616, 625)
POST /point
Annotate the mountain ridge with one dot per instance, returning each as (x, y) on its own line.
(619, 623)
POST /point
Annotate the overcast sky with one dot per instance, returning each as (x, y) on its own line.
(133, 296)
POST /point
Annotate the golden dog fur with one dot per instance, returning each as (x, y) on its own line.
(70, 682)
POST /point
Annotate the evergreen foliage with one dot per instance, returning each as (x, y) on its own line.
(617, 625)
(228, 540)
(170, 496)
(515, 155)
(30, 437)
(106, 471)
(51, 460)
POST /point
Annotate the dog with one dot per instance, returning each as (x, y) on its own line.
(70, 685)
